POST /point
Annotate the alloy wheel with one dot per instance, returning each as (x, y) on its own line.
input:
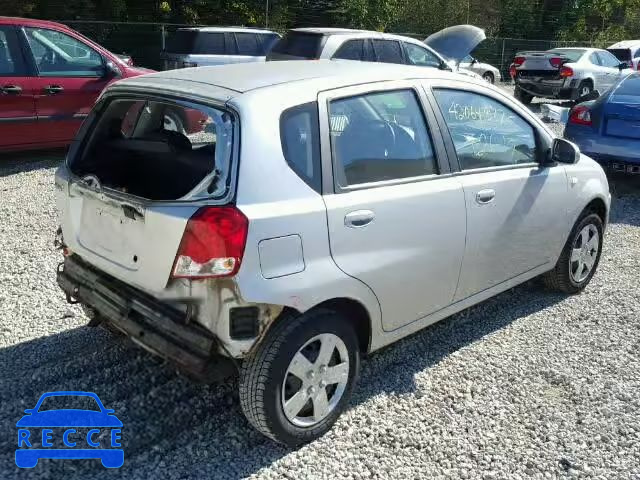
(584, 253)
(315, 380)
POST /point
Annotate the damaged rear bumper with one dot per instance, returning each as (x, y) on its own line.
(157, 326)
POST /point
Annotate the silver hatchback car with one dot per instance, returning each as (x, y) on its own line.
(310, 213)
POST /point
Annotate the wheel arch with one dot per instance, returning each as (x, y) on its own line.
(357, 315)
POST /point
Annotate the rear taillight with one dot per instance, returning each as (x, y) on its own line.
(212, 244)
(566, 72)
(555, 62)
(518, 61)
(580, 115)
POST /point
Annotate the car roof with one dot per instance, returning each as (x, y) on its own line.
(626, 44)
(319, 74)
(31, 22)
(330, 31)
(225, 29)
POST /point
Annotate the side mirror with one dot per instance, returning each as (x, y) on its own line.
(623, 66)
(473, 60)
(110, 69)
(444, 66)
(29, 411)
(564, 151)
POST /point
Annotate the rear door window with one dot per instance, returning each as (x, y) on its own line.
(388, 51)
(378, 137)
(211, 43)
(11, 61)
(248, 44)
(351, 50)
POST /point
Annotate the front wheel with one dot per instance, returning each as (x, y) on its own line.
(580, 257)
(489, 78)
(299, 380)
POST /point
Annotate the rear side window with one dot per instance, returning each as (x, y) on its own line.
(379, 136)
(186, 42)
(388, 51)
(593, 58)
(300, 139)
(248, 44)
(11, 63)
(297, 46)
(351, 50)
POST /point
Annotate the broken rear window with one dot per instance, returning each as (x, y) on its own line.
(158, 150)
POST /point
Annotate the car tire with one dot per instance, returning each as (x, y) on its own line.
(522, 96)
(571, 275)
(174, 122)
(268, 386)
(489, 78)
(584, 88)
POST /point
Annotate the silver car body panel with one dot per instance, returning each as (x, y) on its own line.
(407, 271)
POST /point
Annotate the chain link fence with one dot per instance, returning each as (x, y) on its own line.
(144, 42)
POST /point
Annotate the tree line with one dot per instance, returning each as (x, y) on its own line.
(580, 20)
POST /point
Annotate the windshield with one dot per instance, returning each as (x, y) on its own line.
(69, 402)
(629, 87)
(622, 54)
(571, 54)
(297, 46)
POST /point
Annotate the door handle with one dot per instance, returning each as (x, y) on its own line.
(485, 196)
(359, 218)
(11, 90)
(53, 89)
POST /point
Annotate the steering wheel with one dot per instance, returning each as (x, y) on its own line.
(49, 58)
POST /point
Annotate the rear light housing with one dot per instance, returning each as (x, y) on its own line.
(580, 115)
(556, 62)
(517, 61)
(566, 72)
(212, 244)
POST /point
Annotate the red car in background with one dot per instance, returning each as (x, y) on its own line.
(50, 77)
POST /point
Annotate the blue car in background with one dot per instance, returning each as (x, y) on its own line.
(69, 425)
(608, 129)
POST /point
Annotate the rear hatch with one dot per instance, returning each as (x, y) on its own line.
(544, 66)
(622, 110)
(141, 169)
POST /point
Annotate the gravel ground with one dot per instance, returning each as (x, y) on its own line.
(530, 384)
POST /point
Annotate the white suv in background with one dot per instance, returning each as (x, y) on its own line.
(204, 46)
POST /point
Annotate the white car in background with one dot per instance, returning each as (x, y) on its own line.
(489, 73)
(370, 46)
(627, 51)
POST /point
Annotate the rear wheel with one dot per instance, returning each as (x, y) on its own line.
(585, 88)
(299, 380)
(173, 122)
(522, 96)
(580, 257)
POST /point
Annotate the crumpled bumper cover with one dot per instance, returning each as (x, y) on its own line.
(155, 325)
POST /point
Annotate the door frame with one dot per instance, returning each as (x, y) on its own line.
(329, 182)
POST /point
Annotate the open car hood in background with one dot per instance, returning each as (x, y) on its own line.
(455, 43)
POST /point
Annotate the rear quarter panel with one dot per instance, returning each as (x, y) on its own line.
(279, 204)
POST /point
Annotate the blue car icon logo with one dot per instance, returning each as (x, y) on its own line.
(69, 425)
